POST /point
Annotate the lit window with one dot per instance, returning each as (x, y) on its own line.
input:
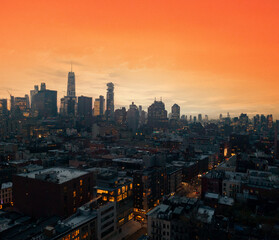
(80, 182)
(74, 193)
(100, 191)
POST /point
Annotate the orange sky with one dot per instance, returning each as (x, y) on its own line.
(209, 56)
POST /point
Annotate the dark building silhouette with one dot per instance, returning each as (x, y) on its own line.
(33, 93)
(110, 102)
(157, 115)
(120, 116)
(85, 106)
(3, 107)
(133, 117)
(52, 192)
(45, 103)
(175, 112)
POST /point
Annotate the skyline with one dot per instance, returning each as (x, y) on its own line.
(209, 58)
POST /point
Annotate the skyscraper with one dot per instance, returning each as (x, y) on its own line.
(157, 115)
(85, 106)
(99, 106)
(33, 93)
(68, 106)
(71, 87)
(110, 102)
(45, 103)
(3, 107)
(175, 112)
(133, 117)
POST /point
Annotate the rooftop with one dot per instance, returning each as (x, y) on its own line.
(55, 174)
(6, 185)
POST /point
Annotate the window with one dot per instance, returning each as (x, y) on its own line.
(80, 182)
(74, 193)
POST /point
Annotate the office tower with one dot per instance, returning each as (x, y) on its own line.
(142, 116)
(157, 115)
(256, 120)
(33, 93)
(263, 119)
(85, 106)
(228, 115)
(269, 121)
(199, 117)
(110, 102)
(206, 118)
(71, 87)
(175, 112)
(27, 100)
(190, 119)
(133, 117)
(195, 119)
(99, 106)
(3, 108)
(221, 116)
(68, 106)
(45, 103)
(21, 103)
(120, 116)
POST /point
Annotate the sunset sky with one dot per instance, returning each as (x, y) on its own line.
(208, 56)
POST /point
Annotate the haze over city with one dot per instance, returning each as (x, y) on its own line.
(209, 57)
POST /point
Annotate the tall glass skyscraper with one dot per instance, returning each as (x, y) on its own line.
(110, 102)
(71, 88)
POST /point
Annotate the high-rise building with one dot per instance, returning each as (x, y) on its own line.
(33, 93)
(199, 117)
(3, 107)
(22, 103)
(149, 188)
(133, 117)
(110, 102)
(120, 116)
(175, 112)
(45, 103)
(269, 121)
(68, 106)
(85, 106)
(71, 87)
(99, 106)
(157, 115)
